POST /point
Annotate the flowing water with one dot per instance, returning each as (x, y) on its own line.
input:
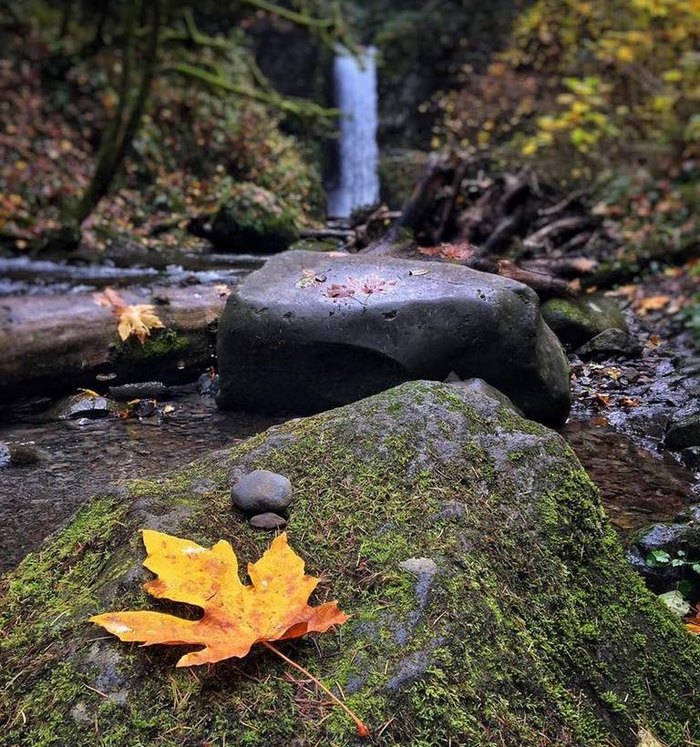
(356, 94)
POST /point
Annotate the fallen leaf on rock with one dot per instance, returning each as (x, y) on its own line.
(90, 392)
(653, 342)
(309, 277)
(236, 616)
(675, 602)
(629, 402)
(138, 319)
(336, 290)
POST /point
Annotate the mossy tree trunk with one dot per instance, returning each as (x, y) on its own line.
(120, 133)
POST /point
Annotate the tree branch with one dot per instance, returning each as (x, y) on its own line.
(300, 19)
(291, 106)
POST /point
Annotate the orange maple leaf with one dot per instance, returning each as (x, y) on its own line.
(136, 319)
(236, 616)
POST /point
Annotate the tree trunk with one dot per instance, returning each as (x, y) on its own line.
(124, 126)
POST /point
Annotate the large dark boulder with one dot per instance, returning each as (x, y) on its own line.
(490, 601)
(309, 332)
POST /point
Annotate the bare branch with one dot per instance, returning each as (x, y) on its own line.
(289, 105)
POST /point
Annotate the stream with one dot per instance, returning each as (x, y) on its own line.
(640, 483)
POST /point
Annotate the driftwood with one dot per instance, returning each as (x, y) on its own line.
(508, 225)
(50, 344)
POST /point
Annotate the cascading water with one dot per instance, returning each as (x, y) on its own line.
(356, 94)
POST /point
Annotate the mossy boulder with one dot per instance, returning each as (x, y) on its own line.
(490, 601)
(577, 321)
(253, 219)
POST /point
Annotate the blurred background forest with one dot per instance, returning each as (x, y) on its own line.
(129, 123)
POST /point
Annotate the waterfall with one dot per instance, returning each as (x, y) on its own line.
(356, 94)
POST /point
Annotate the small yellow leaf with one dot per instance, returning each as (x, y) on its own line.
(138, 320)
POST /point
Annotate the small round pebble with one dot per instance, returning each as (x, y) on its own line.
(262, 491)
(268, 521)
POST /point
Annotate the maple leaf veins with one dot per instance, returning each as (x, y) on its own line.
(236, 616)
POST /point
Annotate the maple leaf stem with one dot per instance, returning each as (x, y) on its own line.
(362, 730)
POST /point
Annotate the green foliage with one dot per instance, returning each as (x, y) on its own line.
(252, 215)
(582, 83)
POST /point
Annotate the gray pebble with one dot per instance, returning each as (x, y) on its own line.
(262, 491)
(268, 521)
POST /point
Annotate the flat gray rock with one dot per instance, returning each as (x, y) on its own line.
(309, 332)
(268, 521)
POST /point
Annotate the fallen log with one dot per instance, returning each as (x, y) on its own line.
(497, 217)
(51, 344)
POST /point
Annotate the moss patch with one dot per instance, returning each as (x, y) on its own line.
(533, 630)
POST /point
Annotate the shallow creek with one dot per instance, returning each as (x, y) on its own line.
(639, 483)
(83, 457)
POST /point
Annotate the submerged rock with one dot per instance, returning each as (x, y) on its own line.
(20, 455)
(309, 332)
(576, 321)
(514, 618)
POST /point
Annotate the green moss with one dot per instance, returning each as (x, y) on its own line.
(534, 631)
(160, 344)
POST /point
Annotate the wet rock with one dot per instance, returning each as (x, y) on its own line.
(261, 492)
(208, 384)
(532, 594)
(268, 521)
(658, 578)
(691, 457)
(19, 455)
(667, 537)
(290, 342)
(611, 343)
(575, 322)
(684, 433)
(82, 406)
(141, 390)
(677, 540)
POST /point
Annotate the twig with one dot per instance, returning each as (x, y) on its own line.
(362, 730)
